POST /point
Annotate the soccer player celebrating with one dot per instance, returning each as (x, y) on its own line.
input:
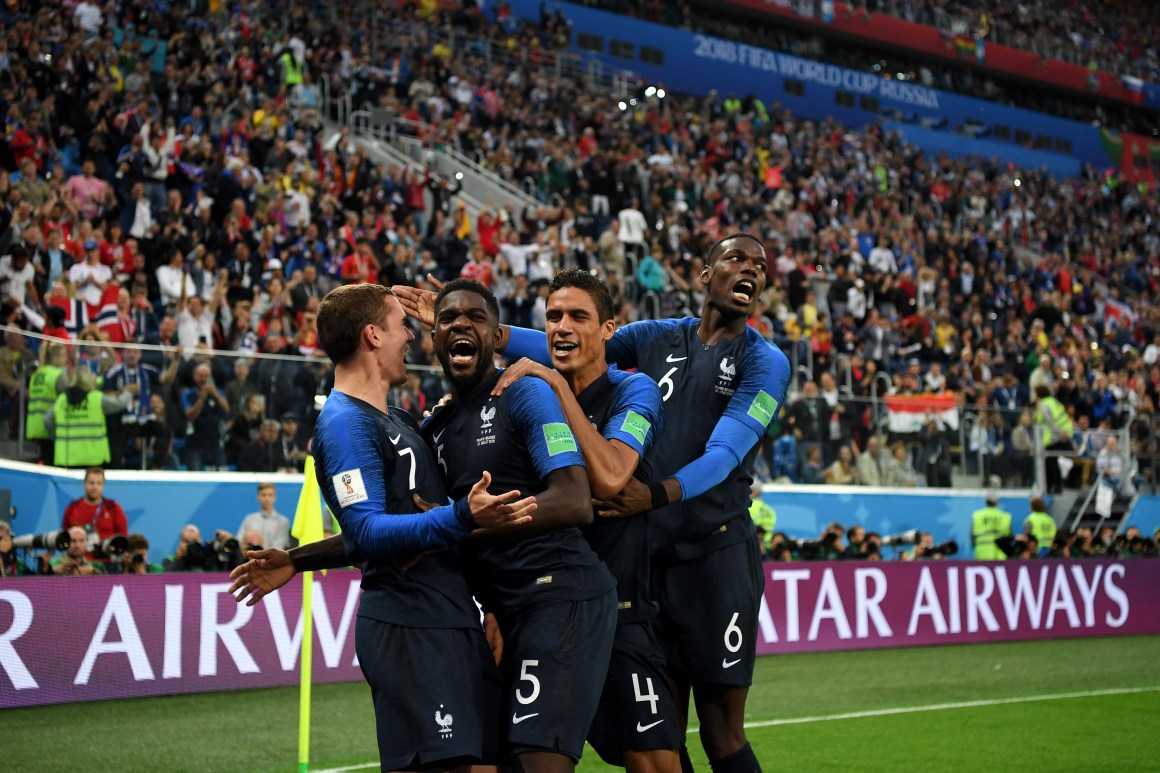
(554, 600)
(616, 417)
(722, 384)
(371, 464)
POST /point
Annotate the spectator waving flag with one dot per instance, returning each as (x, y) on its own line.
(909, 413)
(1118, 314)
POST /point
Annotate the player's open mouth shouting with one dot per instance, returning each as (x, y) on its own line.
(745, 291)
(462, 351)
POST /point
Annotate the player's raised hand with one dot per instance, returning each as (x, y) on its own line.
(419, 303)
(265, 572)
(443, 401)
(514, 373)
(494, 511)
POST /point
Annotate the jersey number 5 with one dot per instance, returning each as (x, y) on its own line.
(525, 676)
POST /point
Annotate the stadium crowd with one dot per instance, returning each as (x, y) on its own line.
(168, 180)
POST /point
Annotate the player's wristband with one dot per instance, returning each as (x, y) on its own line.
(463, 514)
(660, 495)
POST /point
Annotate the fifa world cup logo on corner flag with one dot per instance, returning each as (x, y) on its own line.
(346, 479)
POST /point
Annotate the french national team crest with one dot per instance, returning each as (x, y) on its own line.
(726, 374)
(444, 721)
(486, 414)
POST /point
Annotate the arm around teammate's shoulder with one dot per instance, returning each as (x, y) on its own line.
(765, 374)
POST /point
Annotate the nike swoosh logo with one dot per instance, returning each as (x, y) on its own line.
(729, 663)
(641, 729)
(516, 719)
(439, 436)
(395, 440)
(671, 358)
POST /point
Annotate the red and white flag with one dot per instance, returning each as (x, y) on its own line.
(909, 413)
(1118, 314)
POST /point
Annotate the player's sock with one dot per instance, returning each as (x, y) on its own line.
(741, 761)
(686, 763)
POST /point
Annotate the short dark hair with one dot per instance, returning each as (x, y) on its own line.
(94, 471)
(343, 314)
(471, 286)
(719, 245)
(582, 280)
(1038, 504)
(138, 542)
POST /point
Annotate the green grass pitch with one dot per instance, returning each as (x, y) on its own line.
(1101, 727)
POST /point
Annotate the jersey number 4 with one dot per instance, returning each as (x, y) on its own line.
(650, 697)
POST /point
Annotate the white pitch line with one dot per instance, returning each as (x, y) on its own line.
(947, 706)
(887, 712)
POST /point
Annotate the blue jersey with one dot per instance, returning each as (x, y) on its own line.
(625, 407)
(368, 465)
(743, 379)
(520, 438)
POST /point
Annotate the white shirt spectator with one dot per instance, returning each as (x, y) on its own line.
(89, 17)
(169, 281)
(517, 256)
(80, 273)
(632, 226)
(14, 282)
(142, 220)
(191, 329)
(882, 260)
(273, 526)
(540, 265)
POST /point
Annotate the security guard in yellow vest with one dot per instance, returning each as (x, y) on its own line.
(988, 525)
(292, 70)
(46, 383)
(764, 518)
(1040, 525)
(1058, 430)
(77, 420)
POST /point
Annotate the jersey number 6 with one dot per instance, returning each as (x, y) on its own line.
(667, 384)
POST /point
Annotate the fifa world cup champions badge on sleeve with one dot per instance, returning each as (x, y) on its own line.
(559, 438)
(763, 408)
(349, 487)
(636, 425)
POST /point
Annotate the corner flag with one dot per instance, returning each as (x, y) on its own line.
(307, 528)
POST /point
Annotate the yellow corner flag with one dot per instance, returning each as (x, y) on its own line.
(307, 528)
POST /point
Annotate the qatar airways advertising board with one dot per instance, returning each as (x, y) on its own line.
(69, 639)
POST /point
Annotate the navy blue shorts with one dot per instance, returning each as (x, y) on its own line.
(637, 711)
(437, 694)
(708, 617)
(555, 658)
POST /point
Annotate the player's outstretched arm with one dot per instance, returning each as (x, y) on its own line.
(490, 511)
(268, 570)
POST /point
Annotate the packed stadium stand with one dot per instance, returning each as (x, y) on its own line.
(189, 176)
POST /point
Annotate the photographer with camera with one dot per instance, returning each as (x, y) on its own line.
(76, 561)
(192, 555)
(94, 512)
(136, 558)
(10, 564)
